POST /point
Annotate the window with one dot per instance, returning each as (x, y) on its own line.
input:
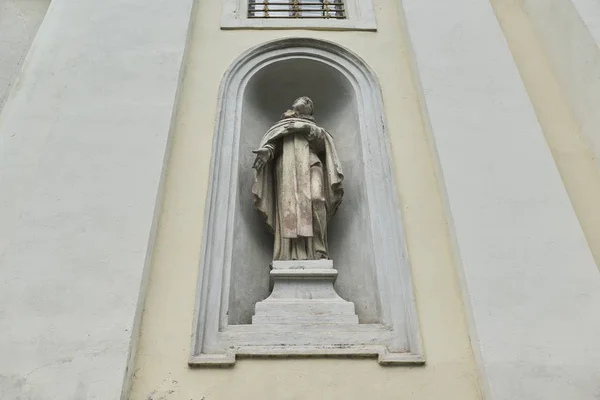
(296, 9)
(299, 14)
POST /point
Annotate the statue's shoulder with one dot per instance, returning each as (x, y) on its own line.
(289, 114)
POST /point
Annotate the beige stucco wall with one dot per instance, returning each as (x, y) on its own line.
(570, 149)
(162, 371)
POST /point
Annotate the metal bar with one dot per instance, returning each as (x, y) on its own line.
(293, 17)
(330, 8)
(286, 3)
(323, 9)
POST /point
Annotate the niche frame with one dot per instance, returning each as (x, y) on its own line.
(397, 339)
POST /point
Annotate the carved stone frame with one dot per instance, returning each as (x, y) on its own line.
(396, 340)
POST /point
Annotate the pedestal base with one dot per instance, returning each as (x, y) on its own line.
(303, 293)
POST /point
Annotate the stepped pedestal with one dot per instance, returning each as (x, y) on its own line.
(303, 293)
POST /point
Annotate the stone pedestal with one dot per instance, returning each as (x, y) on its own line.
(303, 293)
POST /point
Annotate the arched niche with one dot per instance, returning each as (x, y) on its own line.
(366, 239)
(268, 93)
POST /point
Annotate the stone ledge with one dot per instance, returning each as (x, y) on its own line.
(384, 357)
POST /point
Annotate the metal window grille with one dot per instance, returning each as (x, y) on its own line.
(296, 9)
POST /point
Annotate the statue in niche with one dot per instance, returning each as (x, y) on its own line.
(298, 183)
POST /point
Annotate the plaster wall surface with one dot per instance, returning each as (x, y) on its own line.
(529, 278)
(83, 137)
(589, 12)
(570, 148)
(19, 22)
(162, 370)
(569, 33)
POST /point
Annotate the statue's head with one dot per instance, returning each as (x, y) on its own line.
(303, 105)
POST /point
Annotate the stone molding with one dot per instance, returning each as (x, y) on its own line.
(396, 340)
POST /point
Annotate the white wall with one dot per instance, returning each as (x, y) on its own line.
(19, 22)
(529, 278)
(83, 136)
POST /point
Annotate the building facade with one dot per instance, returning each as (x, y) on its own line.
(468, 131)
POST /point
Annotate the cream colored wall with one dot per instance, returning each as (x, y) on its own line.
(162, 371)
(570, 149)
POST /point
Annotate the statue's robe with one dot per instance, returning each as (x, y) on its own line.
(298, 190)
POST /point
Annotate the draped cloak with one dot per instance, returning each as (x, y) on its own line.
(296, 202)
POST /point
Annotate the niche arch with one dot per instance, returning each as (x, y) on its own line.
(366, 237)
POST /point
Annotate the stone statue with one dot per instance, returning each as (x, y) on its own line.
(298, 183)
(297, 189)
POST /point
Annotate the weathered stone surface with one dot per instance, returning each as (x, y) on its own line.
(298, 183)
(303, 294)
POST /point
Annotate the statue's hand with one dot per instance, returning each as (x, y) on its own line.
(314, 133)
(298, 126)
(263, 156)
